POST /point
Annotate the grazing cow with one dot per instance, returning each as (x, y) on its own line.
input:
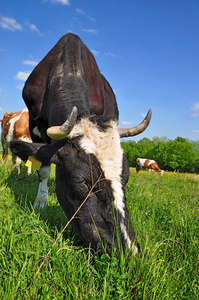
(74, 124)
(147, 164)
(15, 126)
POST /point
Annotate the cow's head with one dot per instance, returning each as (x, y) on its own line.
(90, 165)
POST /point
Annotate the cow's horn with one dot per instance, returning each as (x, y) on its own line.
(60, 132)
(125, 132)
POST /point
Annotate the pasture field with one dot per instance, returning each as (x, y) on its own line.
(165, 216)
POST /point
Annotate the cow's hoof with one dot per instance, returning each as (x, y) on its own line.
(40, 203)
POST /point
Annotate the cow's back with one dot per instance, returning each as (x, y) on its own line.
(70, 68)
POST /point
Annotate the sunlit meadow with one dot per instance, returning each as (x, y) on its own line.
(165, 215)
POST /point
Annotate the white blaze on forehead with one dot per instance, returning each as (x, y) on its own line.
(105, 145)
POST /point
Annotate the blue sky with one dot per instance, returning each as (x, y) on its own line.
(148, 50)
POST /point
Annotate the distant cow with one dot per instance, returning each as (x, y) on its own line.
(15, 126)
(147, 164)
(74, 124)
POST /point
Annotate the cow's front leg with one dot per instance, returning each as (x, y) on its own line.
(42, 196)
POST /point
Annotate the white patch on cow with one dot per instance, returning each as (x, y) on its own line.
(9, 136)
(129, 242)
(107, 149)
(17, 164)
(36, 132)
(76, 73)
(142, 161)
(42, 196)
(12, 122)
(25, 138)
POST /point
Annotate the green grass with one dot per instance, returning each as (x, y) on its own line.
(165, 215)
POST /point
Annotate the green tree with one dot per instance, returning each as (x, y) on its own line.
(173, 155)
(145, 146)
(131, 151)
(182, 156)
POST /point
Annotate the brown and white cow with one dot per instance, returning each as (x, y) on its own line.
(147, 164)
(15, 126)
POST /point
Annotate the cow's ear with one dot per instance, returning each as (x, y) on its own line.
(24, 149)
(47, 154)
(54, 159)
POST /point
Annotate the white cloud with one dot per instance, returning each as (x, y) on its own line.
(195, 131)
(92, 31)
(194, 115)
(90, 18)
(10, 24)
(95, 52)
(109, 54)
(30, 62)
(64, 2)
(22, 76)
(126, 123)
(81, 12)
(195, 108)
(32, 27)
(20, 87)
(0, 91)
(116, 91)
(1, 109)
(143, 115)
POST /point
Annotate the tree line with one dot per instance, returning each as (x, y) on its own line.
(180, 155)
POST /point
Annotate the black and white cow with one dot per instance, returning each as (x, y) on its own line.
(70, 101)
